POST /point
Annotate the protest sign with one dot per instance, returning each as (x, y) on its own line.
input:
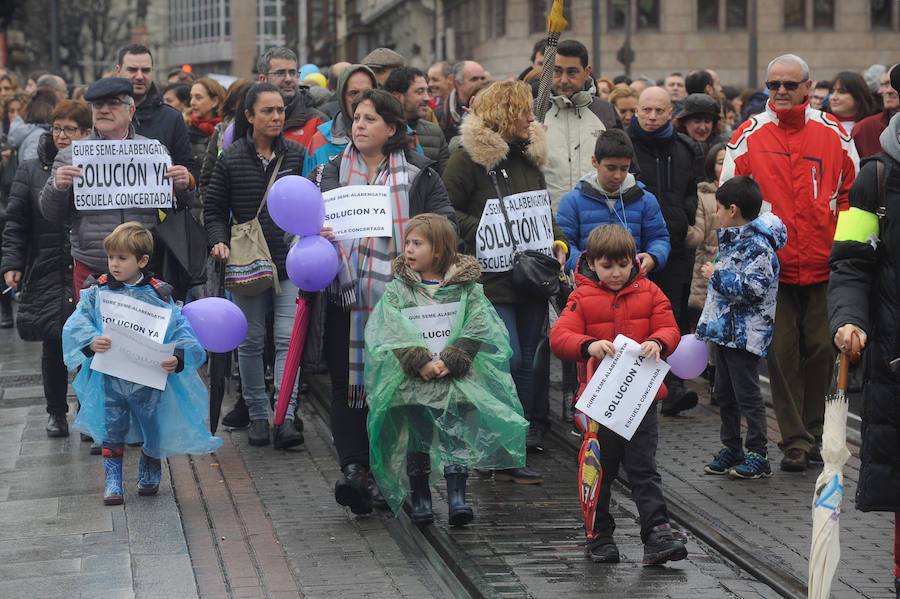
(622, 388)
(133, 314)
(359, 211)
(128, 173)
(133, 357)
(532, 229)
(435, 321)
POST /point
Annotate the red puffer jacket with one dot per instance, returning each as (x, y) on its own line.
(639, 310)
(805, 164)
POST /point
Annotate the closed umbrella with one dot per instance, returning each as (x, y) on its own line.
(292, 362)
(825, 550)
(219, 363)
(590, 474)
(555, 25)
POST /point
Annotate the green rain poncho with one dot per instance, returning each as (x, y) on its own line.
(472, 416)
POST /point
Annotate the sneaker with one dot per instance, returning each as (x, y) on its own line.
(522, 476)
(754, 466)
(57, 426)
(662, 546)
(724, 461)
(534, 438)
(287, 435)
(602, 553)
(258, 434)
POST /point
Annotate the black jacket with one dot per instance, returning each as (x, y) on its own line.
(40, 250)
(864, 290)
(667, 170)
(426, 191)
(237, 187)
(154, 119)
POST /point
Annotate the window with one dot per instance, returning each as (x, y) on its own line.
(882, 14)
(736, 14)
(708, 14)
(794, 14)
(496, 19)
(538, 11)
(618, 9)
(823, 14)
(648, 14)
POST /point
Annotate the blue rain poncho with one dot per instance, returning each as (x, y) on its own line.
(175, 418)
(475, 419)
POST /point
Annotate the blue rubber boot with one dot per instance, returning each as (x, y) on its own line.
(112, 466)
(149, 473)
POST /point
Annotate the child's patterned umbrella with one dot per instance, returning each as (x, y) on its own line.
(590, 474)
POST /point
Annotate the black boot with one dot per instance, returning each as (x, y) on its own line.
(460, 513)
(679, 398)
(418, 467)
(352, 489)
(568, 407)
(57, 426)
(6, 311)
(239, 416)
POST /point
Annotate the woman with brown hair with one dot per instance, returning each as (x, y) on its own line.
(207, 96)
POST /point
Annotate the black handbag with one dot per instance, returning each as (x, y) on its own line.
(533, 272)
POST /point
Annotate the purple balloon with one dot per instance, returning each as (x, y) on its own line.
(296, 205)
(312, 263)
(228, 137)
(220, 325)
(690, 357)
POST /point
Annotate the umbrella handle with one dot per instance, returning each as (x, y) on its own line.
(845, 358)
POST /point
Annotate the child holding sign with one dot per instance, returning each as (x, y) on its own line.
(127, 303)
(437, 371)
(614, 297)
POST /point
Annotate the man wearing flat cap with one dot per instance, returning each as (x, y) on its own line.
(112, 107)
(382, 61)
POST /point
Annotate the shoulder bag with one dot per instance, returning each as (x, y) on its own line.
(250, 269)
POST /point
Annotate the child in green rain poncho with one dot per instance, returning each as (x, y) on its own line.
(437, 374)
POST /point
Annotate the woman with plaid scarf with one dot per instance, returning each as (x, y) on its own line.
(378, 154)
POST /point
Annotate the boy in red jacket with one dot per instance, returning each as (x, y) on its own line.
(613, 296)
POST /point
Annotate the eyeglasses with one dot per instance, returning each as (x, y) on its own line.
(788, 85)
(282, 73)
(69, 131)
(109, 102)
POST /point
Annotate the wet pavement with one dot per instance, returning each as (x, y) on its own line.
(257, 522)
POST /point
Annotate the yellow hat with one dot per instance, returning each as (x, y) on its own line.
(317, 78)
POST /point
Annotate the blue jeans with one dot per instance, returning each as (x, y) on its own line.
(250, 352)
(526, 324)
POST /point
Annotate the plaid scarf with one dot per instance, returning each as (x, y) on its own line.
(365, 268)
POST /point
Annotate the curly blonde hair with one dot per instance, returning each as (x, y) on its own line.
(502, 104)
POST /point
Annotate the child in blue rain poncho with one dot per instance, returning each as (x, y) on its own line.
(115, 411)
(437, 376)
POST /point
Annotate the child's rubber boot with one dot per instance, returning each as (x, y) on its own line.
(418, 467)
(460, 513)
(149, 474)
(112, 466)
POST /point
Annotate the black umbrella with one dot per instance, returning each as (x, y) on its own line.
(182, 251)
(219, 364)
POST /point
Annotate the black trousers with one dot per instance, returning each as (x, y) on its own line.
(638, 458)
(348, 425)
(55, 375)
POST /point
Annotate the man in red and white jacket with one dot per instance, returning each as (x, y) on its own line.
(805, 163)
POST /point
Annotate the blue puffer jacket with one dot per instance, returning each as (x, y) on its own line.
(740, 299)
(586, 207)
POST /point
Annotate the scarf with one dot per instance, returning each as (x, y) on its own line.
(635, 131)
(365, 268)
(205, 126)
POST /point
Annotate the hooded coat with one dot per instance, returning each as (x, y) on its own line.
(475, 409)
(633, 207)
(39, 249)
(740, 300)
(470, 187)
(639, 310)
(864, 290)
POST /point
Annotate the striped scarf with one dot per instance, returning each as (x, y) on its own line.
(365, 267)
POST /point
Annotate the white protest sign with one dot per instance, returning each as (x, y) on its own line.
(532, 229)
(622, 388)
(359, 211)
(127, 173)
(133, 314)
(133, 357)
(435, 321)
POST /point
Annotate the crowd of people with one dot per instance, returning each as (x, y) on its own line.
(699, 207)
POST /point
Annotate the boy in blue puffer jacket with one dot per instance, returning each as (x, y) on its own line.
(613, 196)
(738, 317)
